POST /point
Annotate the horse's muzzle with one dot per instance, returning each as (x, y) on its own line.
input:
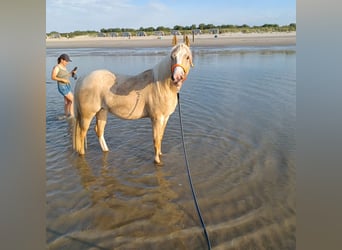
(178, 85)
(178, 74)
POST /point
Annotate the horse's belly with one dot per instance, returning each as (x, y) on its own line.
(127, 107)
(127, 114)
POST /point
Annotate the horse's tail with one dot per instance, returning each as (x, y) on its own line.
(77, 142)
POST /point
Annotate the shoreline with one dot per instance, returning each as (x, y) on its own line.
(222, 40)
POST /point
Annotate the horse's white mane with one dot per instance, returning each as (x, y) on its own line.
(162, 69)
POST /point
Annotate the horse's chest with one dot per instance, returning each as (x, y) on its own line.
(168, 107)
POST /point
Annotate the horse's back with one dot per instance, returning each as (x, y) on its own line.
(98, 78)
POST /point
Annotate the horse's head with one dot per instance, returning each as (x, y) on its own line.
(181, 61)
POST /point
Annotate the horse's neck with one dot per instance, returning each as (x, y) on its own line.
(161, 71)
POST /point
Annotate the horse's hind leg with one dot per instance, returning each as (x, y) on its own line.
(101, 120)
(83, 126)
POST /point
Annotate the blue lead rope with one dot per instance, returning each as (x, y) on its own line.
(189, 177)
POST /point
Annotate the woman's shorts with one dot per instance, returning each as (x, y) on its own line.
(63, 88)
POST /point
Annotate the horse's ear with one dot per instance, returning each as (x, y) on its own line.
(187, 41)
(174, 40)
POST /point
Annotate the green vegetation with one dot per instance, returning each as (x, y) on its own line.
(204, 28)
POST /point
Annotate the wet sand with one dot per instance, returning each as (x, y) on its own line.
(222, 40)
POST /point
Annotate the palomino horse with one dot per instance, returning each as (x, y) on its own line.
(152, 93)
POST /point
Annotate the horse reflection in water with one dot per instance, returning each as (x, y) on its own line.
(152, 93)
(119, 204)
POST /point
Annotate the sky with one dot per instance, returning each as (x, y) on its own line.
(72, 15)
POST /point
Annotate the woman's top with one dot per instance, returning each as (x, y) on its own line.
(62, 73)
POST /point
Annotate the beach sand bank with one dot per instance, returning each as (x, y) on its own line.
(222, 40)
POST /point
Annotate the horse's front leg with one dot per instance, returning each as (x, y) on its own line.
(162, 131)
(158, 127)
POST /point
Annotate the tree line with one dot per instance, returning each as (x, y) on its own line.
(204, 28)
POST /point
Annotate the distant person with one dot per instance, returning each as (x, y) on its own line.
(61, 75)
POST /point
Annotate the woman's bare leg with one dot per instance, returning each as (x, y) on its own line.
(69, 101)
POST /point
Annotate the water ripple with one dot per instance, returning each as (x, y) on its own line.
(238, 112)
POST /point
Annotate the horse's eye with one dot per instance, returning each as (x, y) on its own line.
(188, 57)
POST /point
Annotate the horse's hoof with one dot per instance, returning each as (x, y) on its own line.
(158, 163)
(80, 152)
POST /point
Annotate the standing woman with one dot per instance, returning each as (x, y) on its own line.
(61, 75)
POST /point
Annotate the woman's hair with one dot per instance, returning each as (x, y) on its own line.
(64, 57)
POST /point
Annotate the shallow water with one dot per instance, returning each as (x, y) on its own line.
(238, 112)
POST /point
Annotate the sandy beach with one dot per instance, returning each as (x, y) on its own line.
(222, 40)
